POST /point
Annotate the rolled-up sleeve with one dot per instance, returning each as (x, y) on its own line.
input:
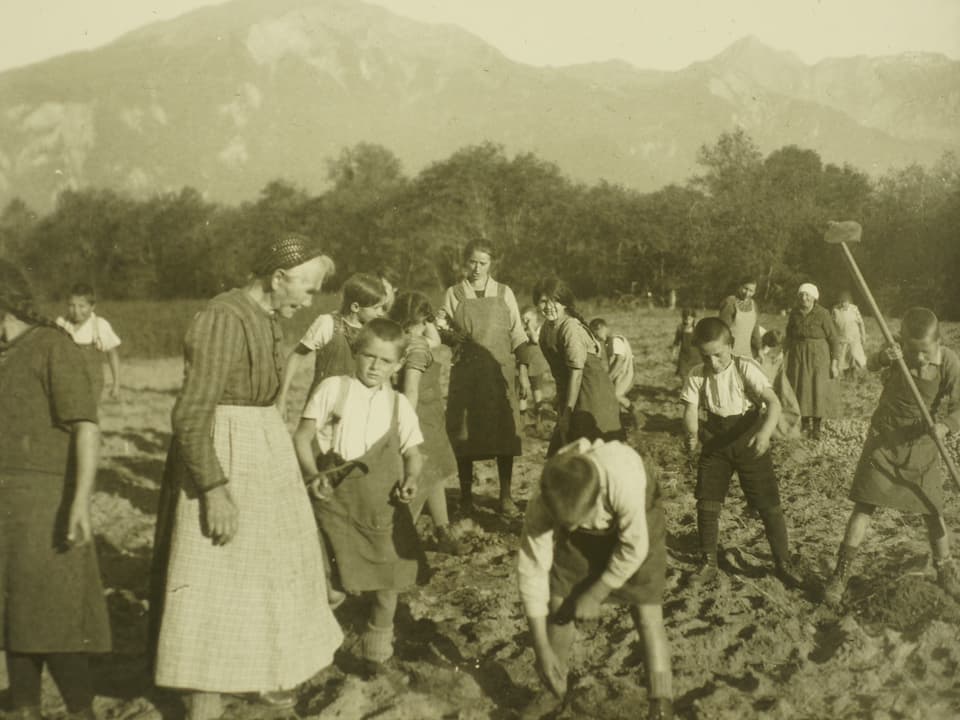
(535, 558)
(831, 334)
(214, 342)
(517, 335)
(627, 487)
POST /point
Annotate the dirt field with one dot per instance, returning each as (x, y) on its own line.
(751, 649)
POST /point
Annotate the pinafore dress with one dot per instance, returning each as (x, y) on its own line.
(596, 414)
(373, 541)
(336, 357)
(900, 464)
(483, 419)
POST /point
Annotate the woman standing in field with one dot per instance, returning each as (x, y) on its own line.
(51, 600)
(739, 311)
(811, 348)
(239, 593)
(482, 416)
(586, 398)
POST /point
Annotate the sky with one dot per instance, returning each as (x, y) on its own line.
(657, 34)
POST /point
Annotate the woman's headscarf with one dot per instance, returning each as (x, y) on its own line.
(810, 289)
(287, 252)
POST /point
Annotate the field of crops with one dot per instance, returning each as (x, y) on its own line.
(748, 649)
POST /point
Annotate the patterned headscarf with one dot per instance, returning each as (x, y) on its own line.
(287, 252)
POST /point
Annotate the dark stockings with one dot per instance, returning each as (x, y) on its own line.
(70, 671)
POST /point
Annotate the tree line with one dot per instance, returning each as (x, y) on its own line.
(743, 214)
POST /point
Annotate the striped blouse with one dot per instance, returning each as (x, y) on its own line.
(232, 356)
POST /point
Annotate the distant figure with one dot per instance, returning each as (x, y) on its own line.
(95, 337)
(853, 335)
(811, 347)
(771, 362)
(620, 359)
(688, 356)
(740, 313)
(531, 363)
(51, 598)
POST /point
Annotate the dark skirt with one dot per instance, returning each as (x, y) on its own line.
(808, 370)
(51, 597)
(900, 470)
(580, 558)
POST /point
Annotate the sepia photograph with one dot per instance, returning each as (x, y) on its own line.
(458, 360)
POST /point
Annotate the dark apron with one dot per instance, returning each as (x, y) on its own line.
(373, 539)
(596, 414)
(900, 464)
(336, 357)
(483, 419)
(93, 360)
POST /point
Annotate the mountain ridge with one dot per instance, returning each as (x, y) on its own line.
(228, 97)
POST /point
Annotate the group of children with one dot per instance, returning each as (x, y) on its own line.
(374, 452)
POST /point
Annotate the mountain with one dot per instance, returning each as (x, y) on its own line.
(229, 97)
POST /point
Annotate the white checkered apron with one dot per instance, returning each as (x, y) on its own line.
(252, 615)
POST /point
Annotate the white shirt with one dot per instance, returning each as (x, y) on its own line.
(620, 346)
(367, 414)
(93, 331)
(728, 392)
(320, 332)
(621, 507)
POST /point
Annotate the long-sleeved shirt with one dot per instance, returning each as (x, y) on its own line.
(232, 356)
(620, 508)
(517, 334)
(945, 365)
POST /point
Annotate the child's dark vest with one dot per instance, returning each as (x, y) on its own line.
(336, 357)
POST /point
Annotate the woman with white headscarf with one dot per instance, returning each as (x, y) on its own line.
(812, 355)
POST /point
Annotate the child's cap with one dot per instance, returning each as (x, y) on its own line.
(711, 329)
(569, 486)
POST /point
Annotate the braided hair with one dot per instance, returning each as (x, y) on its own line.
(554, 288)
(16, 296)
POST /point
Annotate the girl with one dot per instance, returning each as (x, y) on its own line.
(51, 599)
(688, 356)
(739, 311)
(853, 334)
(419, 380)
(482, 414)
(771, 362)
(586, 399)
(531, 362)
(330, 336)
(812, 346)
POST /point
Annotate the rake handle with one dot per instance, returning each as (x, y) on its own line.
(902, 365)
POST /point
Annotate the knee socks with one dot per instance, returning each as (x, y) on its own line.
(465, 475)
(708, 528)
(776, 528)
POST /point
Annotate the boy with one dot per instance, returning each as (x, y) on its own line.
(732, 390)
(620, 357)
(900, 464)
(369, 438)
(95, 337)
(595, 532)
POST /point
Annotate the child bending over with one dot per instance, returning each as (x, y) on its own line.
(95, 337)
(595, 533)
(900, 464)
(330, 336)
(531, 363)
(368, 437)
(620, 357)
(771, 362)
(736, 438)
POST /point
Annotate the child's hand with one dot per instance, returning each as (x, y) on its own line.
(552, 671)
(941, 430)
(586, 608)
(893, 354)
(760, 444)
(405, 492)
(319, 488)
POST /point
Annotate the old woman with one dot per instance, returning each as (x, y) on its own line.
(239, 587)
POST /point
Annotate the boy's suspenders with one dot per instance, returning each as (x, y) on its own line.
(741, 383)
(336, 414)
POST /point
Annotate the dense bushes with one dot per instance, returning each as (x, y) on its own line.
(744, 213)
